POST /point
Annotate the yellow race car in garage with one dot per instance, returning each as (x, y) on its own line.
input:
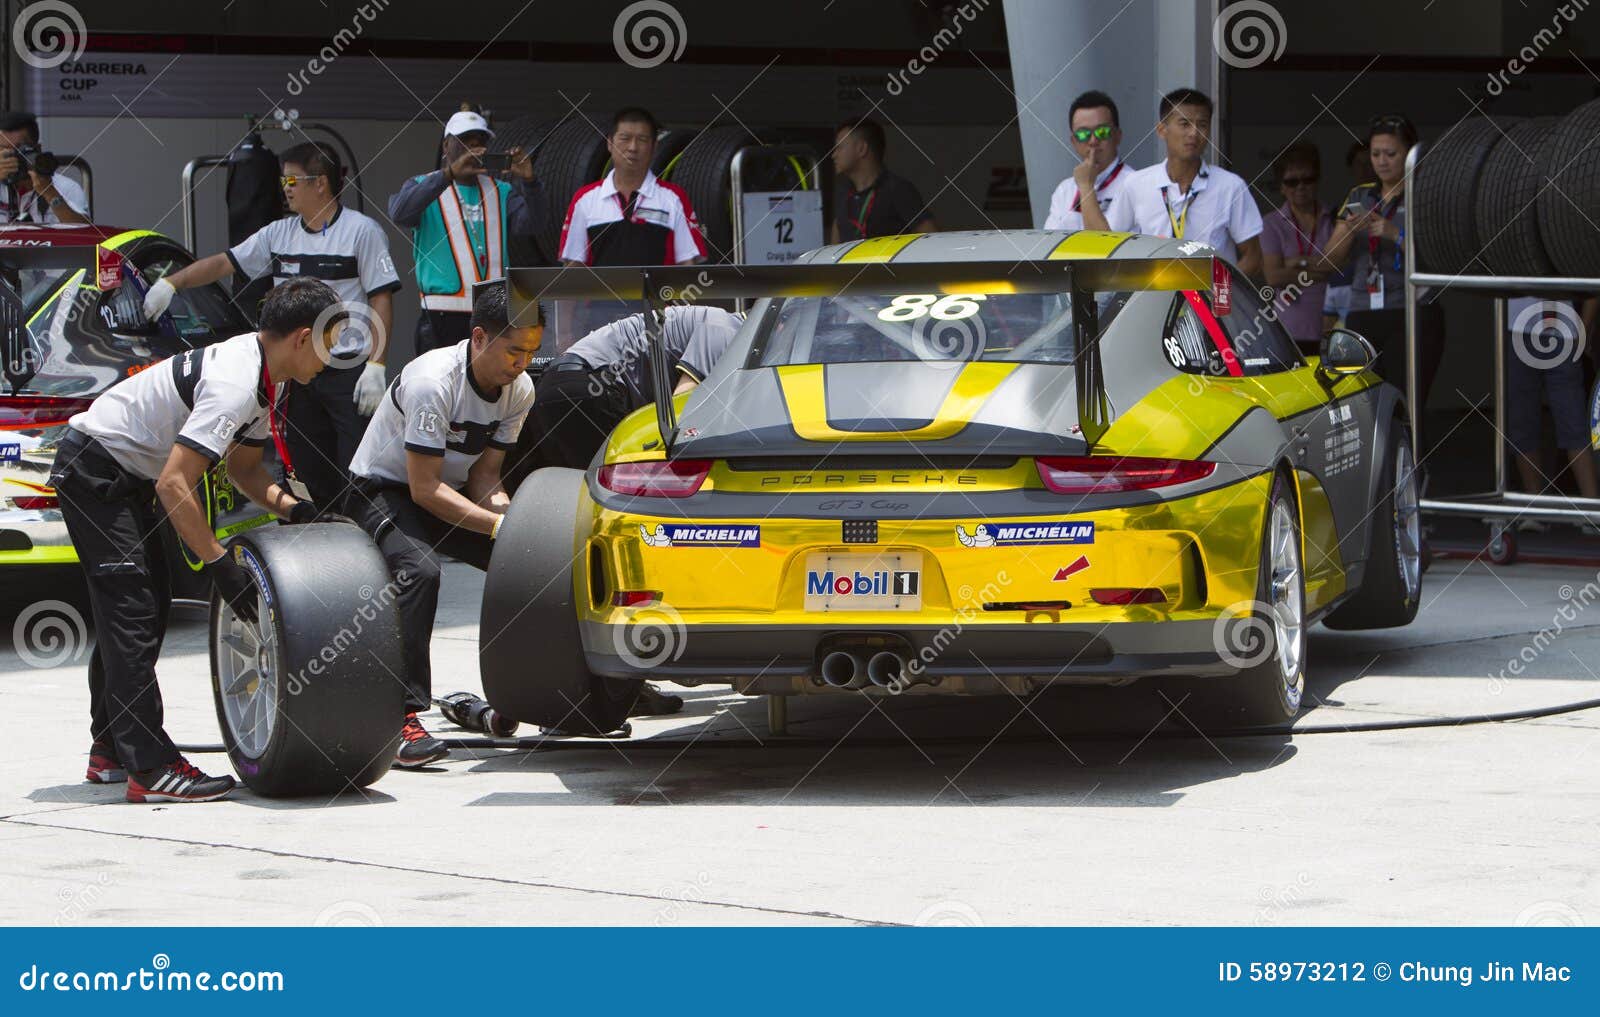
(963, 463)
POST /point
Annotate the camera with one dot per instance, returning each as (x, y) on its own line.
(31, 157)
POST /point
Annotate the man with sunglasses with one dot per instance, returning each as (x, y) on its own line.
(1185, 196)
(1096, 135)
(427, 478)
(319, 239)
(1292, 245)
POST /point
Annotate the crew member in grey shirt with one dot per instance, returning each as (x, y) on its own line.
(604, 376)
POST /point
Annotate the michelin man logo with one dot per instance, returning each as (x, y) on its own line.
(981, 536)
(657, 539)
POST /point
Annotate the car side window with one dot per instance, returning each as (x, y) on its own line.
(1185, 344)
(1262, 345)
(197, 311)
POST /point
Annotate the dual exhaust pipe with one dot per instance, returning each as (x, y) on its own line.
(845, 670)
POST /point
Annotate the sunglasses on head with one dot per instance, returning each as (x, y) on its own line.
(289, 180)
(1298, 181)
(1085, 133)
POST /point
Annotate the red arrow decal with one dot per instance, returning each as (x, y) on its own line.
(1073, 569)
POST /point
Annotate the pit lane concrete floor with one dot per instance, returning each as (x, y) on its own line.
(1487, 824)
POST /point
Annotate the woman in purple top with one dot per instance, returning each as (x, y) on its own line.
(1292, 246)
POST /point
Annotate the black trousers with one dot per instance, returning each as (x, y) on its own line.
(577, 408)
(322, 430)
(441, 328)
(115, 523)
(411, 539)
(1386, 330)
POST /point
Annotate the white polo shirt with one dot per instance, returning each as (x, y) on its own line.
(1065, 211)
(350, 254)
(206, 399)
(436, 408)
(1218, 209)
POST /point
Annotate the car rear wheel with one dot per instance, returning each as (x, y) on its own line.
(308, 698)
(1392, 586)
(530, 650)
(1267, 636)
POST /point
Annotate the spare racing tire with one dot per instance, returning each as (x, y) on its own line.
(668, 148)
(1569, 205)
(572, 154)
(530, 650)
(309, 700)
(528, 133)
(1508, 238)
(705, 172)
(1448, 176)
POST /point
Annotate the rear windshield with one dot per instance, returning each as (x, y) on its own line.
(929, 327)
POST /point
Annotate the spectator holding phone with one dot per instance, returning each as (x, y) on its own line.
(460, 217)
(1370, 237)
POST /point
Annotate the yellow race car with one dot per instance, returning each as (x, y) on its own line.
(962, 463)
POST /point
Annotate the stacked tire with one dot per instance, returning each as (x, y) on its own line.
(1569, 203)
(1448, 176)
(704, 169)
(1508, 230)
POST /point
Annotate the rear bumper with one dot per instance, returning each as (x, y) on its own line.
(979, 657)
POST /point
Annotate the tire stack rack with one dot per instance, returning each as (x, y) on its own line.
(1506, 166)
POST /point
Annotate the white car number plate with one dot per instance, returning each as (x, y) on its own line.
(863, 582)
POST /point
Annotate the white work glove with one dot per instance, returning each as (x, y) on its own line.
(156, 301)
(369, 387)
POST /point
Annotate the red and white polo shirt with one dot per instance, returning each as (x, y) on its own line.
(655, 227)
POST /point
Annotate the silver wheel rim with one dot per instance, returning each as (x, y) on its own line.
(247, 671)
(1287, 601)
(1407, 522)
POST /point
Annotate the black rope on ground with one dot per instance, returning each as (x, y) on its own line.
(547, 744)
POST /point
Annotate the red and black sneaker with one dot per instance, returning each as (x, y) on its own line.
(417, 746)
(104, 766)
(178, 781)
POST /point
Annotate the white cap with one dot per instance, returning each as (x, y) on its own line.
(465, 122)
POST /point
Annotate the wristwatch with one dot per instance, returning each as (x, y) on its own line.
(58, 202)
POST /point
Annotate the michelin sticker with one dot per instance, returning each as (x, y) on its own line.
(10, 452)
(248, 560)
(1021, 534)
(699, 535)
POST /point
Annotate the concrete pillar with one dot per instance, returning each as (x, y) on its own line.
(1133, 50)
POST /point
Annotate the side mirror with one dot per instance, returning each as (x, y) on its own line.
(1345, 353)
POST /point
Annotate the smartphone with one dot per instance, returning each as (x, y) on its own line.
(495, 162)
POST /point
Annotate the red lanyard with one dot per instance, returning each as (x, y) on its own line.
(866, 210)
(272, 418)
(1302, 243)
(1077, 200)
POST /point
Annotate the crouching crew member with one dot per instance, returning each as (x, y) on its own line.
(151, 438)
(605, 376)
(427, 477)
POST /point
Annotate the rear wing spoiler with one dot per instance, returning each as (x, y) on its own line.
(656, 287)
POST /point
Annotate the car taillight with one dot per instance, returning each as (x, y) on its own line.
(35, 412)
(35, 502)
(675, 478)
(1123, 596)
(1109, 474)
